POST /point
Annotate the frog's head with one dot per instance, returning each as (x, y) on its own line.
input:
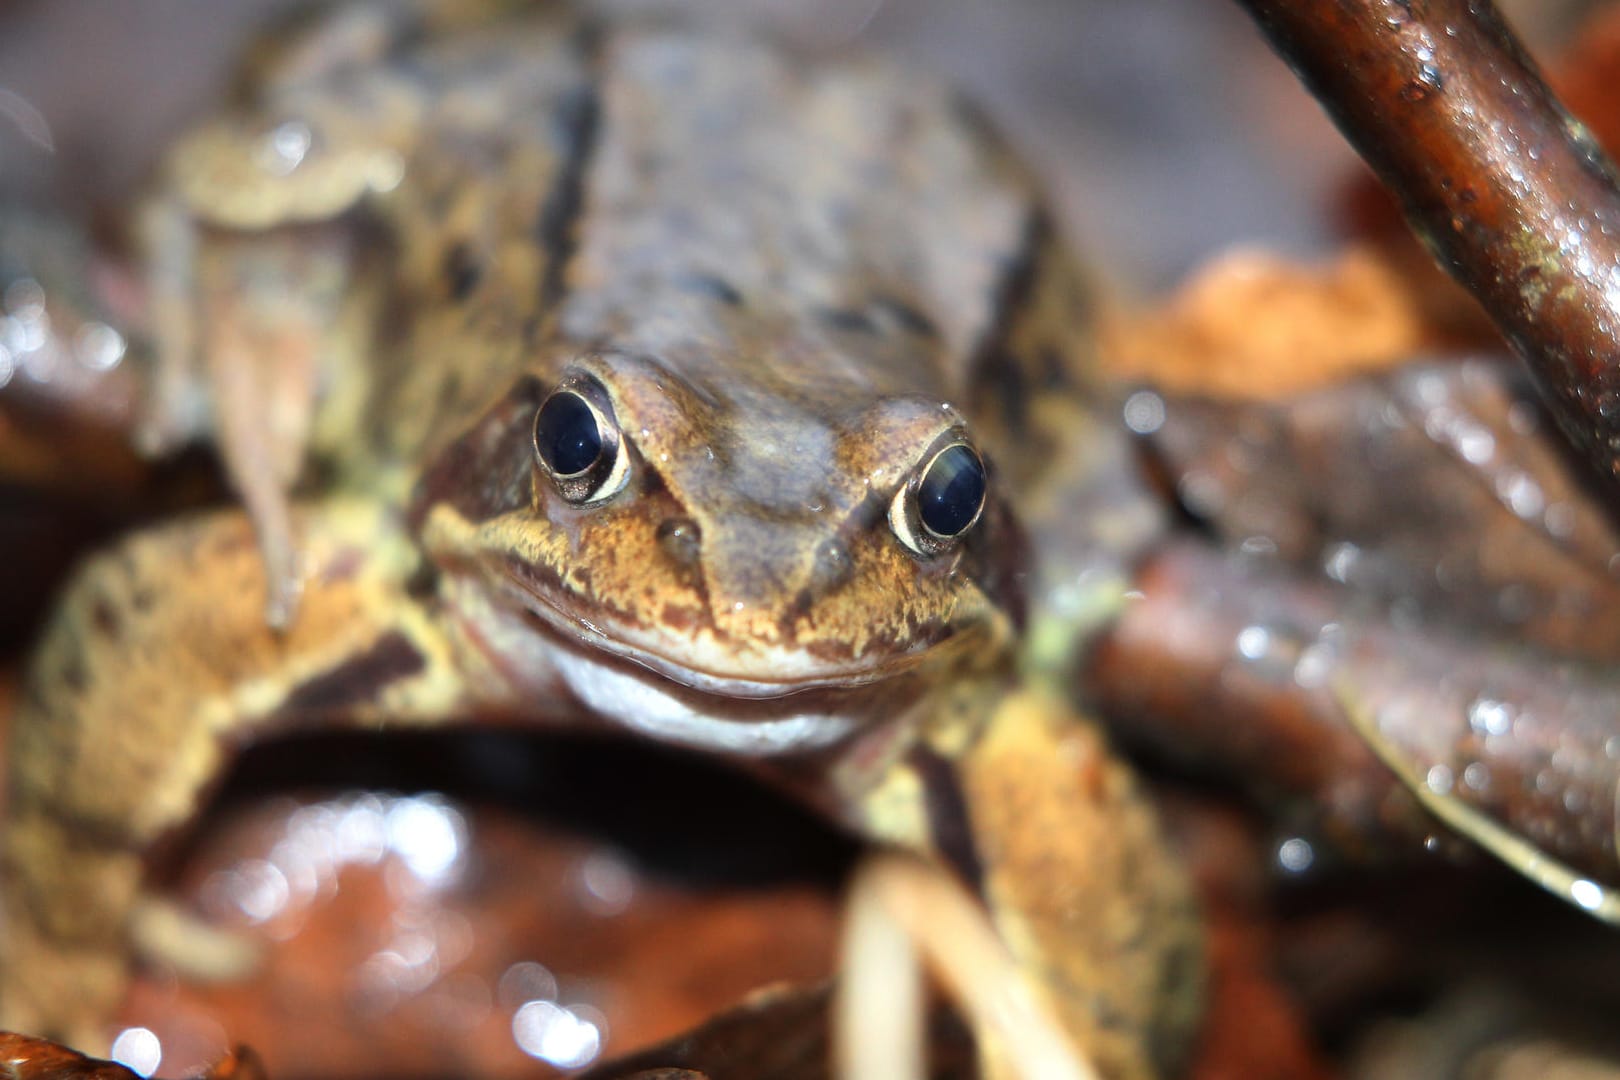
(723, 543)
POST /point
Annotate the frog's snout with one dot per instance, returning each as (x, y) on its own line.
(830, 564)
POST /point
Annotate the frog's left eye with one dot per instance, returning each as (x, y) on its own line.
(578, 444)
(941, 502)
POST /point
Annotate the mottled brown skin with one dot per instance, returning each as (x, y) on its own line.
(790, 282)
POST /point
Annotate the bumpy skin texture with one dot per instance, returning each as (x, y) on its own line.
(787, 285)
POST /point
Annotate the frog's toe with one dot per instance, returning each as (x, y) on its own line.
(60, 993)
(164, 933)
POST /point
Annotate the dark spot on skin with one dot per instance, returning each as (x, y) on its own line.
(863, 515)
(392, 658)
(1011, 393)
(848, 320)
(949, 823)
(715, 288)
(105, 617)
(450, 387)
(681, 540)
(1054, 372)
(423, 582)
(905, 316)
(832, 567)
(461, 270)
(74, 675)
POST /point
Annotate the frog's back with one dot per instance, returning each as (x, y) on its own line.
(763, 223)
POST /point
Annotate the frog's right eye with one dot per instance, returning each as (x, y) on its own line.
(578, 445)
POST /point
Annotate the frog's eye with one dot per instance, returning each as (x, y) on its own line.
(941, 502)
(578, 445)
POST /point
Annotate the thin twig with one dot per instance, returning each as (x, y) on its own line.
(898, 905)
(1510, 194)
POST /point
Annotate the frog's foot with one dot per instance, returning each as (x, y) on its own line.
(1035, 811)
(897, 901)
(63, 969)
(138, 699)
(65, 994)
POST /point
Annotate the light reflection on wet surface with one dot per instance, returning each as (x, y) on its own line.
(556, 1034)
(403, 929)
(424, 833)
(138, 1049)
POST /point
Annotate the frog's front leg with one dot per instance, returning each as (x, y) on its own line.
(1069, 859)
(157, 667)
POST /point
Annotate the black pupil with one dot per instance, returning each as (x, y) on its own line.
(566, 434)
(951, 491)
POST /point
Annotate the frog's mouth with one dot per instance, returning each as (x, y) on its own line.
(708, 663)
(772, 672)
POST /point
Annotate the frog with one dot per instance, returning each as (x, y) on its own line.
(632, 376)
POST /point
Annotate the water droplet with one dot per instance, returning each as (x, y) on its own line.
(23, 336)
(1144, 412)
(1588, 894)
(1258, 546)
(139, 1049)
(24, 299)
(1560, 520)
(1439, 779)
(1490, 717)
(1295, 855)
(1201, 493)
(526, 981)
(1523, 418)
(1429, 388)
(1340, 561)
(8, 366)
(1476, 444)
(258, 889)
(285, 148)
(1253, 642)
(607, 883)
(98, 346)
(1477, 776)
(1520, 493)
(555, 1035)
(1314, 665)
(1515, 602)
(429, 836)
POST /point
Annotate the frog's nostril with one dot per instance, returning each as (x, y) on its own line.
(832, 567)
(681, 540)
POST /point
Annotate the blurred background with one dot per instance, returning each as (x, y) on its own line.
(1165, 129)
(1166, 133)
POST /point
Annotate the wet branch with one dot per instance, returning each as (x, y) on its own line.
(1509, 193)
